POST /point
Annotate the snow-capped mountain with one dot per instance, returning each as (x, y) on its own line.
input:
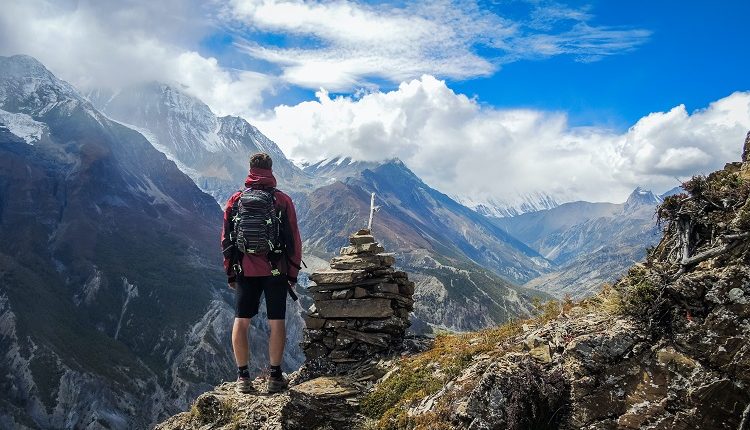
(520, 204)
(213, 151)
(342, 167)
(338, 168)
(640, 197)
(114, 310)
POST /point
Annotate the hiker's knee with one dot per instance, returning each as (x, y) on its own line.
(242, 323)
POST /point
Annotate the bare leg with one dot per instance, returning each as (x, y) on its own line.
(239, 340)
(276, 341)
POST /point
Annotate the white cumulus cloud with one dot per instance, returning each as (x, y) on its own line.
(114, 44)
(463, 148)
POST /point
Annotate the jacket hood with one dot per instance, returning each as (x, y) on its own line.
(260, 178)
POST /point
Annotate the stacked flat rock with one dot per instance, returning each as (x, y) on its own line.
(361, 305)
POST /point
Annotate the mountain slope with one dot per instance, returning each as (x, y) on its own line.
(455, 254)
(110, 315)
(590, 243)
(213, 151)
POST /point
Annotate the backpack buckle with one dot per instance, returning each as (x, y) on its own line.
(275, 272)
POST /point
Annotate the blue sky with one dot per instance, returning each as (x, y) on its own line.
(697, 53)
(693, 55)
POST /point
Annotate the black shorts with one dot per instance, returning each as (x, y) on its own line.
(249, 290)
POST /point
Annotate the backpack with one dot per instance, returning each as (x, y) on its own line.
(257, 224)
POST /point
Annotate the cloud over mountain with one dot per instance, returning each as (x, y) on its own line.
(457, 144)
(115, 44)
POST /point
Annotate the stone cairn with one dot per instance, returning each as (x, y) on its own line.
(361, 305)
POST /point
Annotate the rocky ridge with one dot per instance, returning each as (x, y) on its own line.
(87, 210)
(213, 150)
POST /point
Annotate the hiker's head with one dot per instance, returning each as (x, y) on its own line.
(261, 160)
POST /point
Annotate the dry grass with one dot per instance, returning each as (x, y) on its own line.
(425, 374)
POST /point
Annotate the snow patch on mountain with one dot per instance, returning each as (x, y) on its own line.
(641, 197)
(518, 204)
(154, 141)
(340, 168)
(23, 126)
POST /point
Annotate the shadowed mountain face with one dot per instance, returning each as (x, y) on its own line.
(415, 216)
(113, 308)
(458, 258)
(213, 151)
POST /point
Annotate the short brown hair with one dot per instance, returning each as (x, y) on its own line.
(261, 160)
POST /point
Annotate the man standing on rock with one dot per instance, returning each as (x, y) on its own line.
(262, 254)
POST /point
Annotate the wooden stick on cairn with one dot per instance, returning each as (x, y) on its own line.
(373, 208)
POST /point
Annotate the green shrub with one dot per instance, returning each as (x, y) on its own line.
(638, 291)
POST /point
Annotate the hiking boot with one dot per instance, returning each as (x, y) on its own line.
(277, 384)
(244, 385)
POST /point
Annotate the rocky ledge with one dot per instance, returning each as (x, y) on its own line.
(300, 407)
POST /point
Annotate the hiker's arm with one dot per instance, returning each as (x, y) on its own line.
(227, 246)
(296, 255)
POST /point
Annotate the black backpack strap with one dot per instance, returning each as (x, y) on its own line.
(296, 266)
(233, 215)
(235, 256)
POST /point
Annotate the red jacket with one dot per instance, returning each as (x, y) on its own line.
(258, 265)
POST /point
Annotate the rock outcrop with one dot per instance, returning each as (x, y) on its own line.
(361, 308)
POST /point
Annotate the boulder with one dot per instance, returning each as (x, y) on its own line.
(355, 308)
(315, 350)
(372, 248)
(379, 340)
(360, 240)
(338, 276)
(342, 294)
(356, 262)
(387, 260)
(392, 325)
(406, 289)
(314, 323)
(326, 400)
(333, 287)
